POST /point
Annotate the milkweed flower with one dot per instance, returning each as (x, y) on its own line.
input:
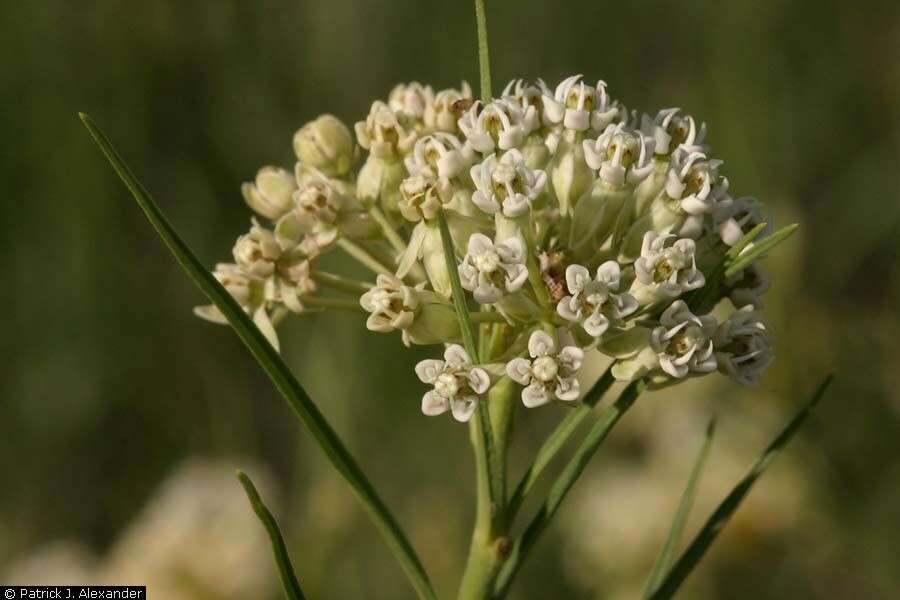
(666, 268)
(457, 384)
(498, 125)
(447, 107)
(506, 185)
(682, 342)
(594, 303)
(549, 374)
(577, 106)
(490, 270)
(743, 349)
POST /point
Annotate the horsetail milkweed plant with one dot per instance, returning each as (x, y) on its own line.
(518, 234)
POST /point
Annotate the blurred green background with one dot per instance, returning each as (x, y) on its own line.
(108, 384)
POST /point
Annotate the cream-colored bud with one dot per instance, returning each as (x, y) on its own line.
(270, 194)
(325, 144)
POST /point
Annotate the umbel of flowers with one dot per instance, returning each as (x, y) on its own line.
(579, 227)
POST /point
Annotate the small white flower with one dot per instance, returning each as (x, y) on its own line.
(621, 155)
(257, 251)
(439, 155)
(246, 291)
(738, 218)
(291, 284)
(527, 96)
(383, 134)
(506, 184)
(580, 107)
(443, 112)
(411, 99)
(666, 268)
(499, 124)
(489, 269)
(548, 374)
(458, 384)
(670, 131)
(742, 345)
(682, 342)
(593, 303)
(270, 194)
(392, 305)
(318, 208)
(420, 198)
(694, 183)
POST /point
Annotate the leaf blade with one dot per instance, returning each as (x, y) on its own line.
(289, 580)
(666, 552)
(719, 518)
(275, 368)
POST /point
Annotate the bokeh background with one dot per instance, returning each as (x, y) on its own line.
(122, 415)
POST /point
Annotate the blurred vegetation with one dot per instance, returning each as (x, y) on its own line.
(108, 381)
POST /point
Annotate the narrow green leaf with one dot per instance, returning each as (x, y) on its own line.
(557, 440)
(751, 235)
(275, 368)
(468, 335)
(717, 521)
(667, 552)
(597, 434)
(763, 247)
(285, 569)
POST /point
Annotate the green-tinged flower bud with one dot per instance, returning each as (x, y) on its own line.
(569, 173)
(379, 180)
(436, 323)
(325, 144)
(420, 314)
(536, 153)
(665, 214)
(650, 187)
(270, 195)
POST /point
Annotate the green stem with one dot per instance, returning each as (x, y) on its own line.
(489, 544)
(484, 59)
(340, 283)
(389, 232)
(363, 257)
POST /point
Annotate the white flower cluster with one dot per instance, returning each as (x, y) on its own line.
(579, 226)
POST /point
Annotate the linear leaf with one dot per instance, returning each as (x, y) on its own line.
(275, 368)
(752, 253)
(285, 569)
(608, 418)
(745, 241)
(717, 521)
(667, 552)
(557, 440)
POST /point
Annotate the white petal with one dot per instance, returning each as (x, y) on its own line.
(463, 408)
(609, 273)
(456, 357)
(519, 370)
(540, 344)
(568, 389)
(434, 404)
(571, 357)
(576, 277)
(262, 321)
(479, 244)
(568, 308)
(479, 380)
(596, 324)
(429, 369)
(535, 395)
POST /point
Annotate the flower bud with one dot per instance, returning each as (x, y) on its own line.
(270, 195)
(325, 144)
(380, 180)
(569, 174)
(256, 251)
